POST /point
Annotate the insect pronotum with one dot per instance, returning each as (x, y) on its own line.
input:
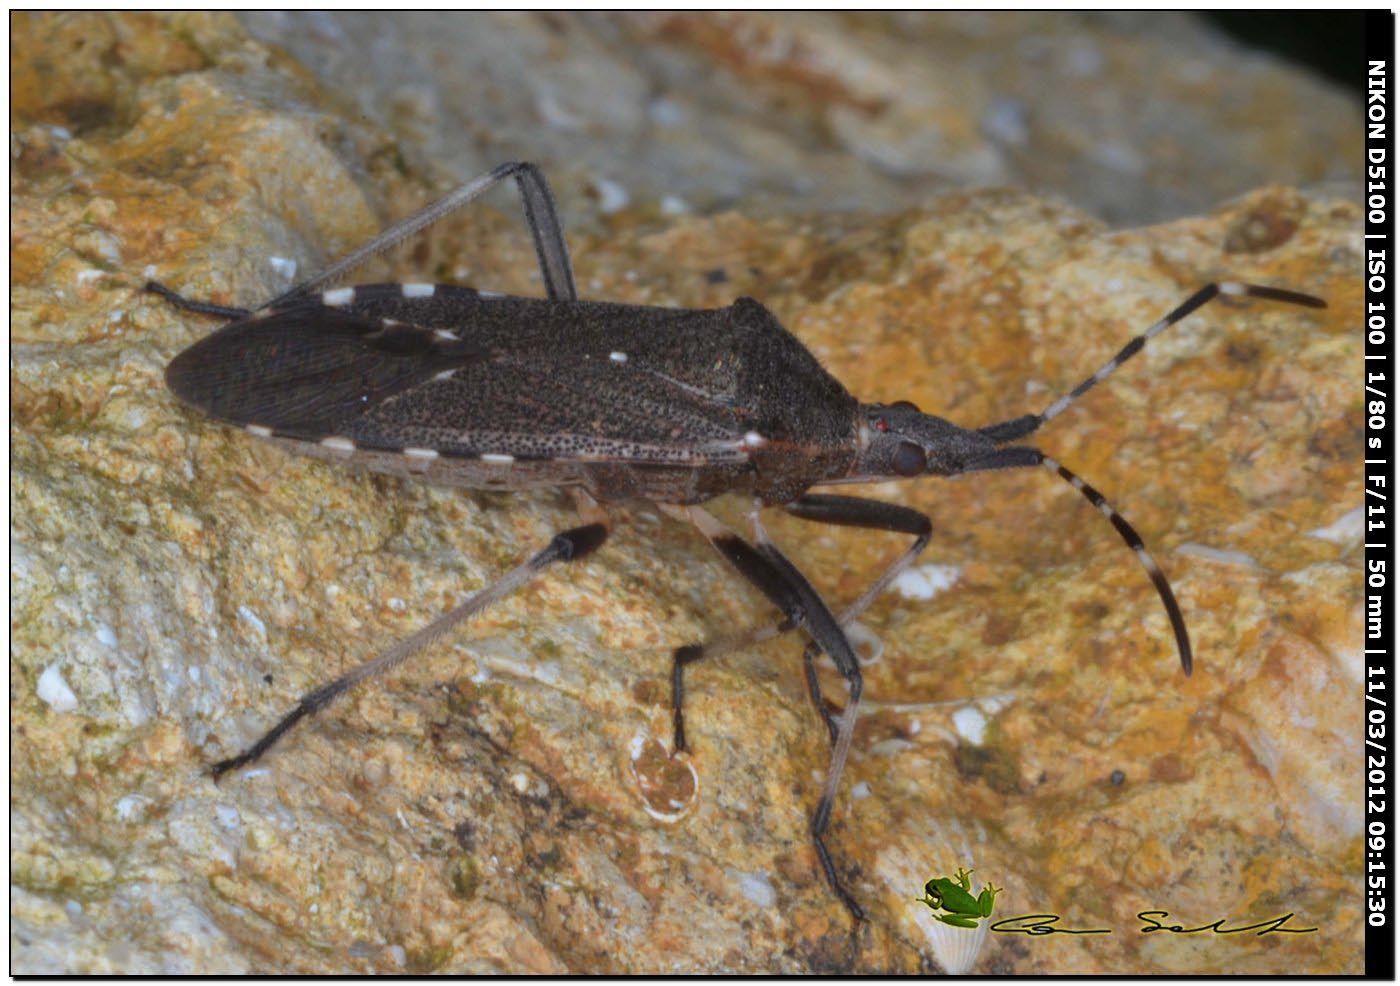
(469, 388)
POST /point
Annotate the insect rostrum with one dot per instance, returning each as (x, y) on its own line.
(464, 387)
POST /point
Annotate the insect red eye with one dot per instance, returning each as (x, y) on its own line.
(908, 460)
(880, 425)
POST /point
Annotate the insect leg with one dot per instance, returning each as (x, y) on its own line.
(827, 710)
(568, 546)
(199, 307)
(846, 511)
(851, 511)
(540, 216)
(1008, 431)
(787, 588)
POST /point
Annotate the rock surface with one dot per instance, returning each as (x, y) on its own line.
(1134, 117)
(506, 803)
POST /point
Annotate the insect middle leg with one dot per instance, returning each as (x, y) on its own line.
(787, 588)
(568, 546)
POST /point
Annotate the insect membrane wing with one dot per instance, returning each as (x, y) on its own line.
(302, 373)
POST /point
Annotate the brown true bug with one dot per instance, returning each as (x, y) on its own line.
(469, 388)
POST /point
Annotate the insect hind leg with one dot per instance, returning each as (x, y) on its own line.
(199, 307)
(568, 546)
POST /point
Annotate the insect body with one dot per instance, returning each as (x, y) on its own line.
(622, 400)
(616, 402)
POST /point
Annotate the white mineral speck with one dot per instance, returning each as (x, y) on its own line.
(556, 114)
(1118, 157)
(926, 581)
(612, 197)
(1218, 555)
(228, 816)
(971, 724)
(1005, 121)
(249, 617)
(1083, 58)
(398, 954)
(520, 782)
(869, 648)
(755, 887)
(285, 266)
(130, 808)
(106, 635)
(55, 691)
(860, 789)
(1345, 530)
(890, 747)
(666, 112)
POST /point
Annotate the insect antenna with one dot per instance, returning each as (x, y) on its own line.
(1019, 456)
(1007, 431)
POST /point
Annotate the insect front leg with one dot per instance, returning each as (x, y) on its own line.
(787, 588)
(847, 511)
(852, 511)
(568, 546)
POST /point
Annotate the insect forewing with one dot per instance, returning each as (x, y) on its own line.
(391, 367)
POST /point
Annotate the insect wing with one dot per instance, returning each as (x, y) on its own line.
(302, 373)
(511, 379)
